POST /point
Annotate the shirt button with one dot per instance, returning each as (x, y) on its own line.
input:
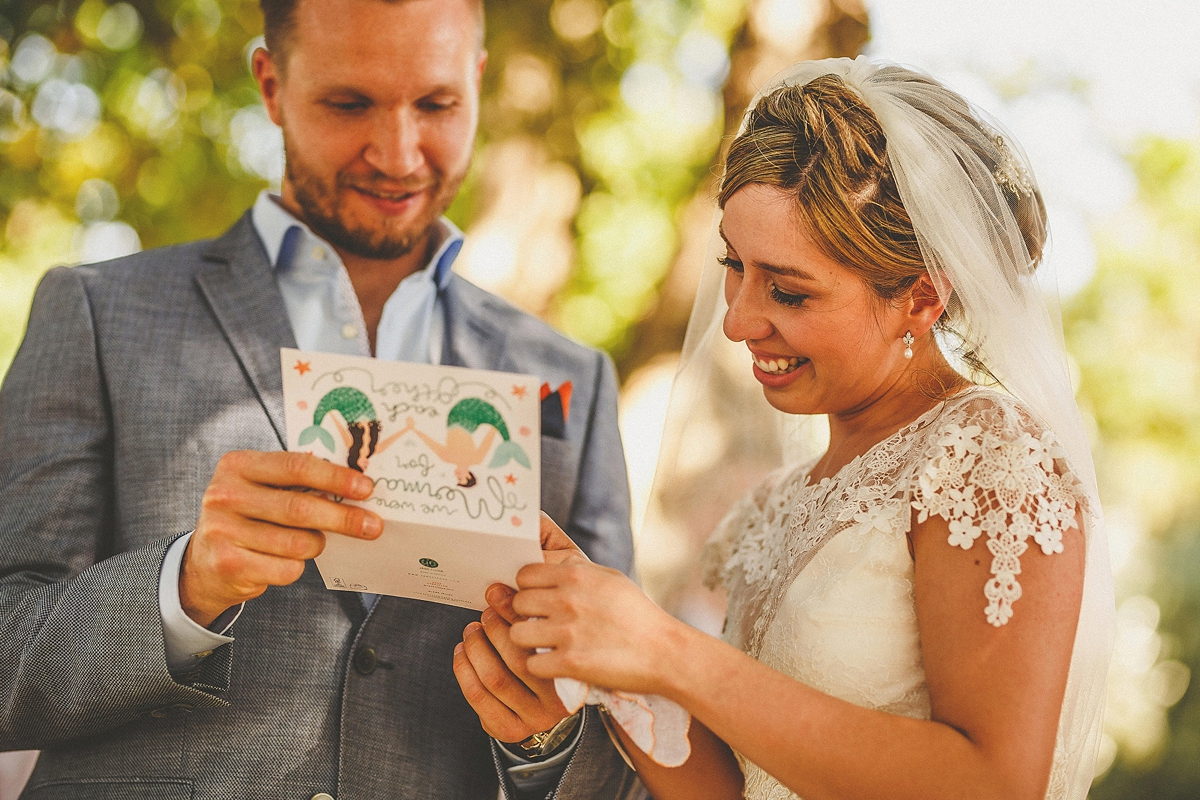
(322, 796)
(318, 253)
(365, 660)
(349, 331)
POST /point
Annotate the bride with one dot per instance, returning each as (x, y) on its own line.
(923, 609)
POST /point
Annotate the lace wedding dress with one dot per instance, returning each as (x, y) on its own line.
(819, 576)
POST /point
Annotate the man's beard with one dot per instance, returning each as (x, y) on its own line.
(319, 203)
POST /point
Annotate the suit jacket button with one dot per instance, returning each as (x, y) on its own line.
(364, 662)
(322, 796)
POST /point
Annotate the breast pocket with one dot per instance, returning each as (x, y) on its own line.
(560, 471)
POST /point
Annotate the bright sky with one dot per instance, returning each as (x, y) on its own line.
(1076, 81)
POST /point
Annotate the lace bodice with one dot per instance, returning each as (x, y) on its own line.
(819, 575)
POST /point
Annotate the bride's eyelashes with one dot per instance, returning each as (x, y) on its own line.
(785, 299)
(781, 297)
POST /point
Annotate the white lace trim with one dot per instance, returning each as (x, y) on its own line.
(996, 473)
(980, 461)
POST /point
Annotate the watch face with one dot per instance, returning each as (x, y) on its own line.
(546, 742)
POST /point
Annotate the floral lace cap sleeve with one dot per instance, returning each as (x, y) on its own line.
(991, 469)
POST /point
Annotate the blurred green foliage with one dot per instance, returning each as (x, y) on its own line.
(139, 122)
(1135, 333)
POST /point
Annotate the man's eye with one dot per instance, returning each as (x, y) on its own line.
(730, 263)
(437, 105)
(347, 106)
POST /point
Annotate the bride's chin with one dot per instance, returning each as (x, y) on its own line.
(790, 401)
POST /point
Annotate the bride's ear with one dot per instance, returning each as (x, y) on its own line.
(924, 307)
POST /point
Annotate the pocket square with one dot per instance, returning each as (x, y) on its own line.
(556, 409)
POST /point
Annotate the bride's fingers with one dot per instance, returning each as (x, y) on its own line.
(571, 568)
(532, 634)
(535, 603)
(499, 598)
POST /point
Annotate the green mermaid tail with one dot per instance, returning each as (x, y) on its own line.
(472, 412)
(509, 451)
(353, 405)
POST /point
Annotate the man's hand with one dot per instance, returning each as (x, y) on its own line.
(512, 704)
(256, 530)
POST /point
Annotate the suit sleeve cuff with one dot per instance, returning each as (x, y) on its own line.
(187, 643)
(538, 778)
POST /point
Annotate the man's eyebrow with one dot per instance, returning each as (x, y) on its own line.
(787, 272)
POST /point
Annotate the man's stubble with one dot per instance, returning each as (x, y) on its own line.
(319, 205)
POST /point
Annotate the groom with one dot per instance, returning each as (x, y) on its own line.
(145, 402)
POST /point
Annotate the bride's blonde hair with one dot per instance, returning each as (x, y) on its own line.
(821, 142)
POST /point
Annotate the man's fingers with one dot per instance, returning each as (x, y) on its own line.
(498, 720)
(284, 469)
(506, 687)
(514, 656)
(553, 537)
(296, 544)
(292, 509)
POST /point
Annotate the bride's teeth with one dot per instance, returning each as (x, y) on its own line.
(776, 366)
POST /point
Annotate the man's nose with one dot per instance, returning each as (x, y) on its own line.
(396, 148)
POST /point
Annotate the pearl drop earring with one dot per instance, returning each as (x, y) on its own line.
(908, 343)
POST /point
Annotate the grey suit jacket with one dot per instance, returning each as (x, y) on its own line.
(134, 377)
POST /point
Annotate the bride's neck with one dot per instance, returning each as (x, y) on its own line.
(854, 431)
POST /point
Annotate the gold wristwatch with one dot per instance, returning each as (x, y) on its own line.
(545, 743)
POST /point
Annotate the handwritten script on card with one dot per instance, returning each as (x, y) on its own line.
(454, 455)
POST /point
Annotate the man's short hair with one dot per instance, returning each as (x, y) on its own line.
(279, 17)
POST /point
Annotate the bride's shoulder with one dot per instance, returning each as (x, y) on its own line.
(989, 466)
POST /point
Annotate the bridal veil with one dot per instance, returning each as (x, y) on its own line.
(953, 166)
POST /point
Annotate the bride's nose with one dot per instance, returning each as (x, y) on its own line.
(745, 319)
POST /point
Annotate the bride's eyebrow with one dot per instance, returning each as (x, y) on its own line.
(787, 272)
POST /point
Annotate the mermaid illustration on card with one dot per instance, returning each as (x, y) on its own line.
(353, 414)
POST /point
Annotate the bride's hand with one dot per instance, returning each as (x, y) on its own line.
(600, 627)
(512, 704)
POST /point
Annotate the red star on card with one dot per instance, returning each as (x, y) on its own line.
(519, 392)
(511, 479)
(302, 366)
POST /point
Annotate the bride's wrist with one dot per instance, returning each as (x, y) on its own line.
(682, 654)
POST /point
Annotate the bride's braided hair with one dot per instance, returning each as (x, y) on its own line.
(821, 142)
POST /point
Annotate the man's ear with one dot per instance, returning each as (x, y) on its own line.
(925, 306)
(267, 74)
(483, 59)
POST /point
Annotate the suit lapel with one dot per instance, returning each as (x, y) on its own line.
(244, 297)
(472, 337)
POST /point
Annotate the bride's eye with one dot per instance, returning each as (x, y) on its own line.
(731, 263)
(783, 298)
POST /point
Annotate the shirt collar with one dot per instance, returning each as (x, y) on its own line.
(275, 224)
